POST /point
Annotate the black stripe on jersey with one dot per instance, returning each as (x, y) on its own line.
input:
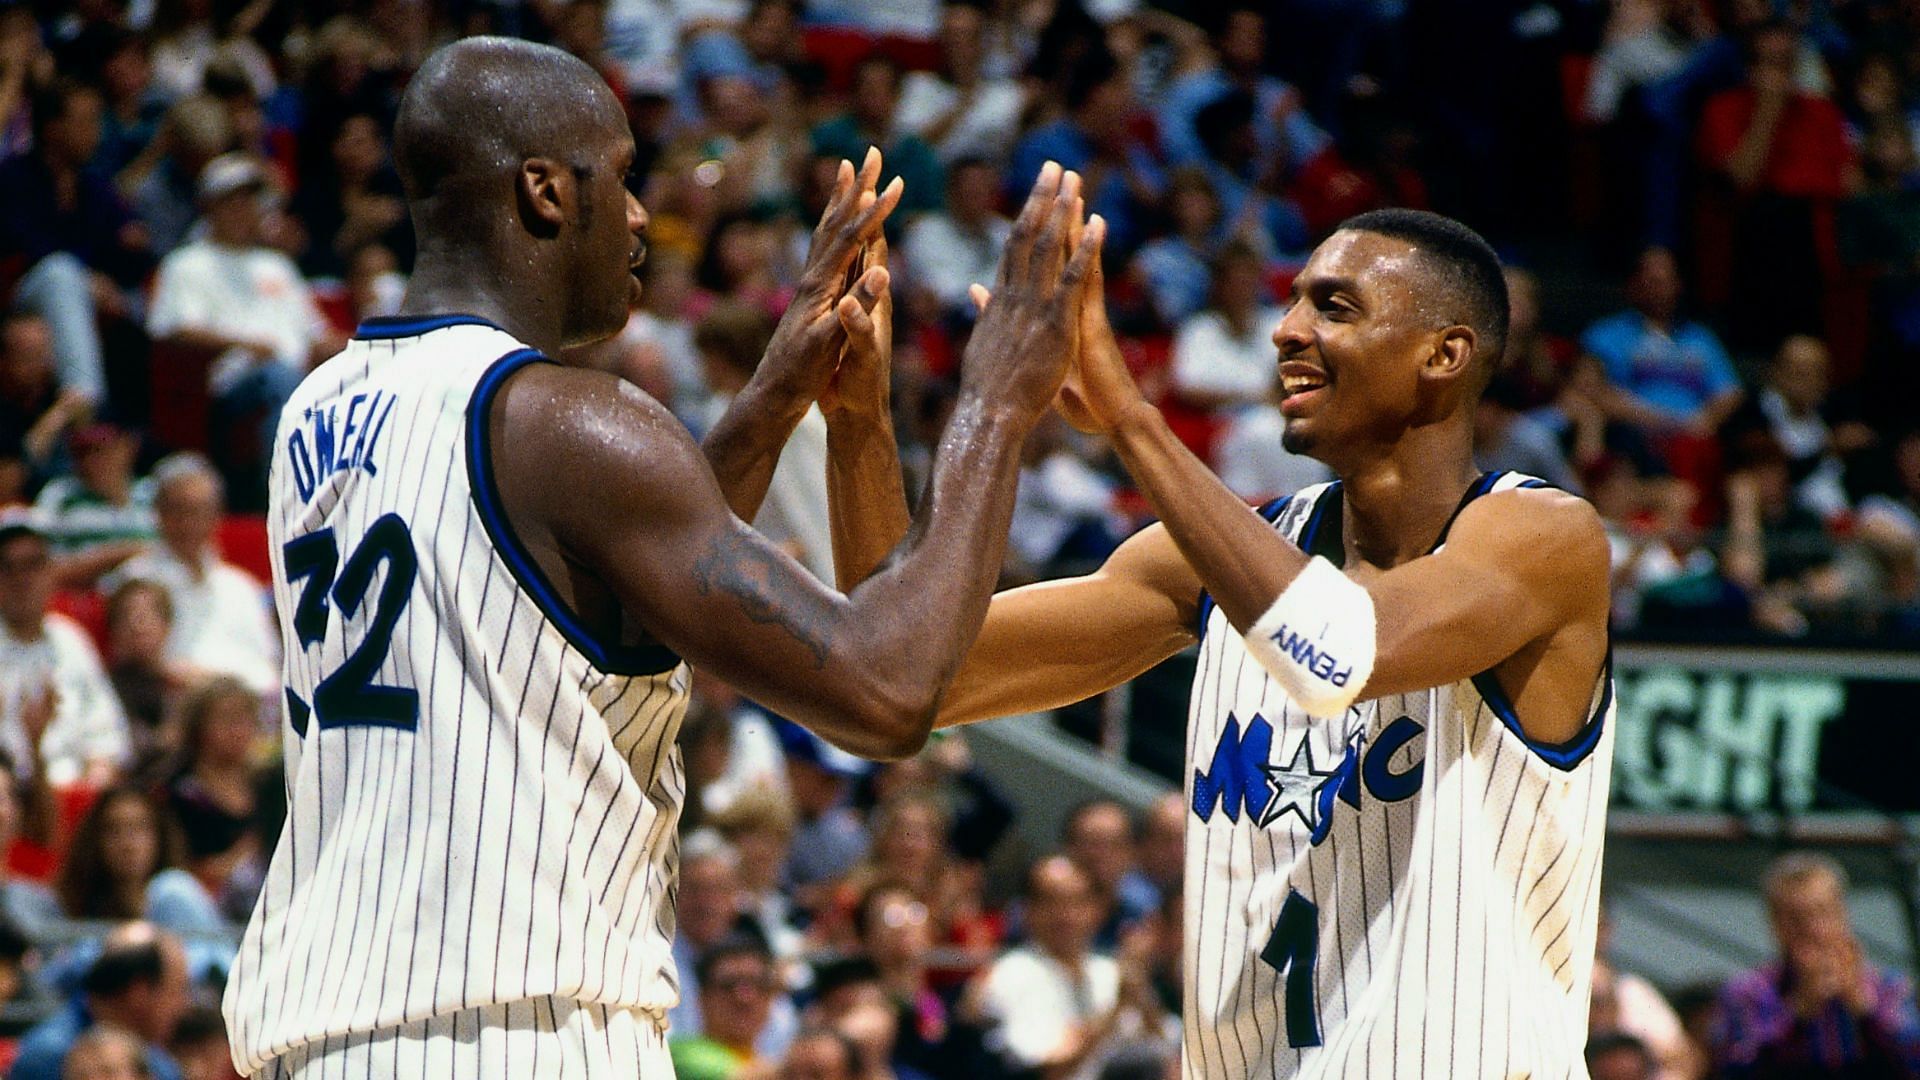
(389, 327)
(1329, 510)
(1565, 755)
(1271, 512)
(607, 656)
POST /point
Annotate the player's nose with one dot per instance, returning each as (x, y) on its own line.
(636, 215)
(1291, 334)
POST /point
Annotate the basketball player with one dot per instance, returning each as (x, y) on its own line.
(490, 568)
(1398, 738)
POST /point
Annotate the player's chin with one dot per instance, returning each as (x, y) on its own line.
(1297, 436)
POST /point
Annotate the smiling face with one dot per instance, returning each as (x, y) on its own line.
(1364, 335)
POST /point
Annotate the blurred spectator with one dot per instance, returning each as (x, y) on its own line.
(1780, 552)
(909, 849)
(357, 202)
(1665, 375)
(162, 182)
(1163, 843)
(1285, 136)
(873, 1027)
(57, 709)
(1101, 838)
(1177, 269)
(1505, 437)
(211, 793)
(759, 825)
(1646, 42)
(820, 1053)
(100, 515)
(1661, 567)
(831, 839)
(951, 249)
(1821, 1008)
(1625, 1003)
(710, 906)
(731, 339)
(106, 1053)
(1795, 407)
(740, 267)
(80, 244)
(1093, 137)
(35, 411)
(870, 121)
(1785, 154)
(124, 862)
(228, 293)
(190, 35)
(220, 623)
(961, 110)
(737, 987)
(1224, 357)
(1063, 510)
(655, 352)
(26, 906)
(199, 1044)
(896, 933)
(1055, 1005)
(1616, 1055)
(1254, 199)
(138, 985)
(139, 621)
(1541, 364)
(134, 104)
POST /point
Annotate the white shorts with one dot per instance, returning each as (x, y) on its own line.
(533, 1038)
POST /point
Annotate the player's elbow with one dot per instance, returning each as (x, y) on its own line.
(889, 723)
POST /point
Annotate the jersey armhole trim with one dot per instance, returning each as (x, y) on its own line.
(1271, 514)
(614, 659)
(1567, 755)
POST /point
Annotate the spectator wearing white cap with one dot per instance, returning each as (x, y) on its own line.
(228, 293)
(57, 709)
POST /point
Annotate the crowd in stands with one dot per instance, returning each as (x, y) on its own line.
(1711, 209)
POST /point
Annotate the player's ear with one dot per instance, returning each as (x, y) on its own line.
(545, 193)
(1452, 355)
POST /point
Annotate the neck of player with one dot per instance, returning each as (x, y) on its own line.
(466, 282)
(1398, 497)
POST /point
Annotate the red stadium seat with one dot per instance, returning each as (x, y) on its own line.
(88, 607)
(242, 539)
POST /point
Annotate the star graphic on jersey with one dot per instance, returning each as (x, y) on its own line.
(1296, 787)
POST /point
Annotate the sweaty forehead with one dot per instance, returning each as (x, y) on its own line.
(1370, 262)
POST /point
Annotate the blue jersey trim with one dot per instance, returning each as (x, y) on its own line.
(1271, 514)
(385, 327)
(1565, 755)
(615, 659)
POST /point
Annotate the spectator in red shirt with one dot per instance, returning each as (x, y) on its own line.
(1785, 155)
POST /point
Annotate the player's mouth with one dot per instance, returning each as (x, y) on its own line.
(1302, 385)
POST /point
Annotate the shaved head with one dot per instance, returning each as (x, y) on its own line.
(515, 158)
(480, 107)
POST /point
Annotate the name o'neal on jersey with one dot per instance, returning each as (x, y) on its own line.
(336, 437)
(1252, 773)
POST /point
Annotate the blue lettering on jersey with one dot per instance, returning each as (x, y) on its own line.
(331, 439)
(1315, 660)
(1242, 775)
(1238, 776)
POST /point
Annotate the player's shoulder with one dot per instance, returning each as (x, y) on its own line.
(1534, 519)
(585, 431)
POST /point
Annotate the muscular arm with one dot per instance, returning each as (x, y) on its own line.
(864, 670)
(866, 496)
(1057, 642)
(1518, 567)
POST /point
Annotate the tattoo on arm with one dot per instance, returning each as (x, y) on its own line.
(743, 570)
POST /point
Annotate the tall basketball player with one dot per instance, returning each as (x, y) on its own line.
(1398, 738)
(490, 568)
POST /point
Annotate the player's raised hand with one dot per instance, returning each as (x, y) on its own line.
(1029, 330)
(1099, 390)
(861, 385)
(806, 346)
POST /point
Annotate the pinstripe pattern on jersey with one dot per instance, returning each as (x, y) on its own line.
(518, 843)
(1454, 866)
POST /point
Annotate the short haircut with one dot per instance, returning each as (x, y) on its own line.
(123, 597)
(119, 968)
(1608, 1042)
(202, 1023)
(1463, 263)
(732, 944)
(856, 1060)
(1795, 867)
(1099, 802)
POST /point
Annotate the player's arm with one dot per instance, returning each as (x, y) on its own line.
(866, 495)
(744, 445)
(1053, 643)
(864, 670)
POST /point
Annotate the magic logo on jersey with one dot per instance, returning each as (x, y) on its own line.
(1244, 777)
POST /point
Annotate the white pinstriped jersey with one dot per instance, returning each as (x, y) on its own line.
(1409, 890)
(482, 798)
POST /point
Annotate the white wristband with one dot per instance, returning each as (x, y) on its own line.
(1317, 640)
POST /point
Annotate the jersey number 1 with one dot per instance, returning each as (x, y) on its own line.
(349, 697)
(1294, 951)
